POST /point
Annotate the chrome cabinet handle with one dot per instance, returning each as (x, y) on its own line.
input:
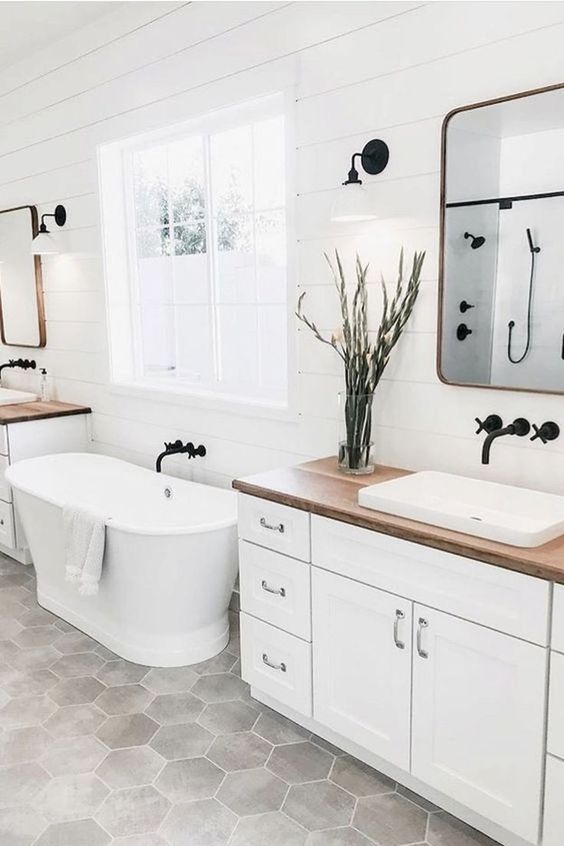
(399, 617)
(278, 528)
(278, 591)
(423, 624)
(281, 666)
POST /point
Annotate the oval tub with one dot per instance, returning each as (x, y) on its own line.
(169, 564)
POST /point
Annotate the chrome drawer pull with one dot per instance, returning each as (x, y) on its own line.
(281, 666)
(423, 624)
(278, 591)
(399, 617)
(278, 528)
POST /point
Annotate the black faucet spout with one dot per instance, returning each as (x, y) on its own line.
(519, 427)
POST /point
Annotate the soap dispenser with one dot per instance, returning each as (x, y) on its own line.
(44, 388)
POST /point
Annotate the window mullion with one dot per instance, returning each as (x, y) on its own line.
(212, 263)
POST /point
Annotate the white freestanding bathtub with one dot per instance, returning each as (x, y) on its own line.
(170, 560)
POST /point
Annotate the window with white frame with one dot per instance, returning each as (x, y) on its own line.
(195, 224)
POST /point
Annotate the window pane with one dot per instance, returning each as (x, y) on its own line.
(158, 339)
(232, 172)
(235, 261)
(153, 242)
(150, 187)
(269, 160)
(238, 346)
(272, 338)
(194, 344)
(155, 281)
(190, 238)
(270, 228)
(190, 279)
(186, 173)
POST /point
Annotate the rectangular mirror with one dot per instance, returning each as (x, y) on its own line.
(501, 278)
(22, 314)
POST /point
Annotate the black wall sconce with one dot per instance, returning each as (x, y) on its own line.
(354, 203)
(43, 243)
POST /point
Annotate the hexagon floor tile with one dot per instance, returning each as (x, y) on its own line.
(97, 751)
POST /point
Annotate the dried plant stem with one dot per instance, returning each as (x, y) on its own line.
(364, 362)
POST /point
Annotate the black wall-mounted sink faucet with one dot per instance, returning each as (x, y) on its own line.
(520, 427)
(23, 363)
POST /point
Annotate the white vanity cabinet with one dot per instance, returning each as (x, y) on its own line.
(429, 664)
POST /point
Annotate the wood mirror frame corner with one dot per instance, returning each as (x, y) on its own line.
(39, 299)
(444, 128)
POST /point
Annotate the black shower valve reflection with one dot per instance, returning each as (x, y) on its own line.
(464, 306)
(549, 431)
(462, 331)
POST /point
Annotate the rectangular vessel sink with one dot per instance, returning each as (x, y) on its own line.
(517, 516)
(10, 397)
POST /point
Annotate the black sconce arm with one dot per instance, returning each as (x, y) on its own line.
(374, 158)
(60, 215)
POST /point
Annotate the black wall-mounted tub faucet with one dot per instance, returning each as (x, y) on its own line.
(520, 427)
(178, 448)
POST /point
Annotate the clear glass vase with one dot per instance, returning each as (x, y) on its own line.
(355, 433)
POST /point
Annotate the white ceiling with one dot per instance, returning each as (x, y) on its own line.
(26, 27)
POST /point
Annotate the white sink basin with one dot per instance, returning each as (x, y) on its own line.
(516, 516)
(9, 397)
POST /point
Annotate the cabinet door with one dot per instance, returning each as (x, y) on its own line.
(478, 713)
(553, 834)
(362, 664)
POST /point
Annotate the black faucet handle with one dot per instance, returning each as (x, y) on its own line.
(490, 424)
(549, 431)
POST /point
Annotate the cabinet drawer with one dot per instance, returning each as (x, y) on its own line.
(558, 619)
(553, 834)
(500, 599)
(277, 663)
(275, 588)
(555, 743)
(7, 534)
(275, 526)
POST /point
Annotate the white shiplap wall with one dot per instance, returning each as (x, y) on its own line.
(358, 70)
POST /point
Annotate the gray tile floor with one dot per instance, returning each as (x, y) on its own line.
(96, 751)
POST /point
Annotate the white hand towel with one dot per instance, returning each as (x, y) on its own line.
(85, 538)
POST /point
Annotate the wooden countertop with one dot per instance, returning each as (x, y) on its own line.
(320, 488)
(23, 411)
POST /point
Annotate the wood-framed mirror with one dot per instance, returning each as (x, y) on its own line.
(22, 309)
(501, 271)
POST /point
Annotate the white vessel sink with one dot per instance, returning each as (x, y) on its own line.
(503, 513)
(10, 397)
